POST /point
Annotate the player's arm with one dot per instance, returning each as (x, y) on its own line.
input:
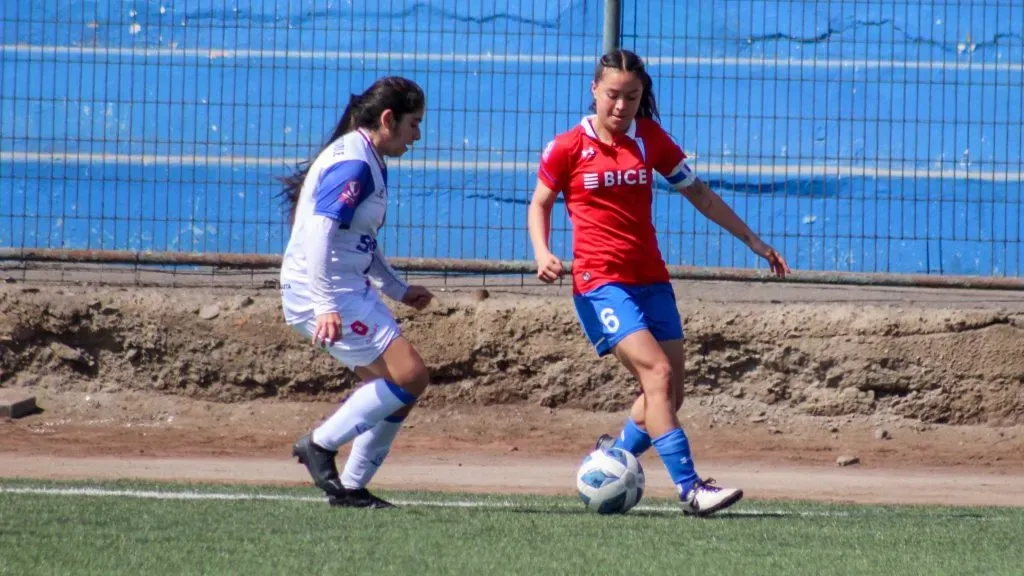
(338, 192)
(670, 160)
(549, 267)
(711, 205)
(381, 273)
(393, 286)
(552, 177)
(319, 233)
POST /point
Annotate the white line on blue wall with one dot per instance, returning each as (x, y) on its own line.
(774, 171)
(215, 54)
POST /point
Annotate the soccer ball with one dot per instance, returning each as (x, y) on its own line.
(610, 481)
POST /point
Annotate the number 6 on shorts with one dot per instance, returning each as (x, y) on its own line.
(610, 313)
(610, 320)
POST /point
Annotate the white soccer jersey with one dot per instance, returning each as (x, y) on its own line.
(332, 253)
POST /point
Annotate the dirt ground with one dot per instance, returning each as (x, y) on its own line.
(925, 387)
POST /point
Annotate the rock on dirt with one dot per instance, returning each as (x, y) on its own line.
(209, 312)
(71, 355)
(16, 405)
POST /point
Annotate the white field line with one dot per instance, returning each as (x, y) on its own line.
(121, 52)
(756, 170)
(238, 496)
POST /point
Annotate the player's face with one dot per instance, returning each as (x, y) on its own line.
(617, 98)
(405, 132)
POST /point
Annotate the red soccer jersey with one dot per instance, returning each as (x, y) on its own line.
(608, 192)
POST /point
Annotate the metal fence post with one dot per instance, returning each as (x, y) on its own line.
(612, 24)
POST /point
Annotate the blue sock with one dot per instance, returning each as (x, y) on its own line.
(633, 439)
(674, 449)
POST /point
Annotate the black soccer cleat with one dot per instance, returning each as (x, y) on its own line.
(604, 442)
(320, 464)
(359, 498)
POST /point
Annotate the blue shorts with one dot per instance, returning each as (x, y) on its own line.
(611, 312)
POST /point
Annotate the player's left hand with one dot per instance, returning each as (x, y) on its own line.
(418, 297)
(775, 260)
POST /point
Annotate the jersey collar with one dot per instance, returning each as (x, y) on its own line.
(588, 127)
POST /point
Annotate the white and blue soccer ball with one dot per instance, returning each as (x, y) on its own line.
(610, 481)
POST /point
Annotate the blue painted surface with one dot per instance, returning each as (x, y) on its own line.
(930, 94)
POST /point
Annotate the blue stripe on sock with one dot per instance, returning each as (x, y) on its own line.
(401, 393)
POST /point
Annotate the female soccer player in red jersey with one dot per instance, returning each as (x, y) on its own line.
(605, 168)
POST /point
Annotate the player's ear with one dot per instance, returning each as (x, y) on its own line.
(593, 89)
(387, 119)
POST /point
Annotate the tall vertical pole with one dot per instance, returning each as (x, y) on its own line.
(612, 25)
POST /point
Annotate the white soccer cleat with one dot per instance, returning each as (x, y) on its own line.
(705, 498)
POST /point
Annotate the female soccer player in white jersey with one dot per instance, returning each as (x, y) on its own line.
(605, 168)
(338, 205)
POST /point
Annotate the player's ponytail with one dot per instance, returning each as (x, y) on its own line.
(400, 95)
(351, 111)
(626, 61)
(648, 106)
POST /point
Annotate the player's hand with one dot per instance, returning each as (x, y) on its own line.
(418, 297)
(328, 329)
(549, 268)
(775, 260)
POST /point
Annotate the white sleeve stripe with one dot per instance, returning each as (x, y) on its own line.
(682, 176)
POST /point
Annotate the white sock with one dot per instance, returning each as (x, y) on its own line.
(368, 453)
(373, 402)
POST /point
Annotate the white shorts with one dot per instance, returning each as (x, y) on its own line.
(364, 335)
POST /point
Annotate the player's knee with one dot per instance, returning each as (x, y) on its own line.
(657, 383)
(663, 373)
(415, 380)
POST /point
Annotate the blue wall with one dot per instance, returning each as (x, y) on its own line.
(853, 135)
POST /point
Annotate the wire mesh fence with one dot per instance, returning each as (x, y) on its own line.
(161, 125)
(853, 135)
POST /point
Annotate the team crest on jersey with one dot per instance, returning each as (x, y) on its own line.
(350, 194)
(588, 153)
